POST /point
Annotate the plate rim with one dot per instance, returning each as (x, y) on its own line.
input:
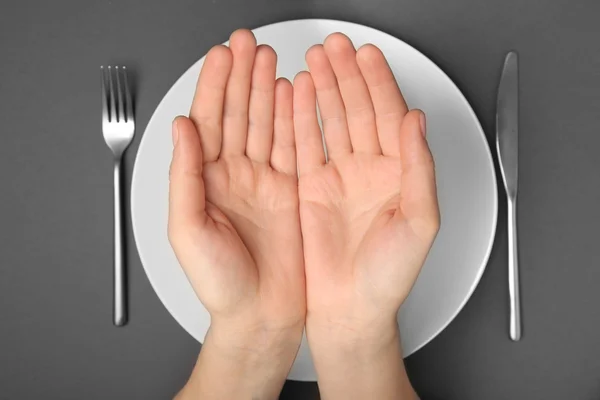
(473, 115)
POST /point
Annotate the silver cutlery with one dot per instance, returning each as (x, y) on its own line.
(118, 127)
(507, 141)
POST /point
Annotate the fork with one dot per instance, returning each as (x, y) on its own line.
(118, 127)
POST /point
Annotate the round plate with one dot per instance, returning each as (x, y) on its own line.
(465, 178)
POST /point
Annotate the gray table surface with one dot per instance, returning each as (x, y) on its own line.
(56, 336)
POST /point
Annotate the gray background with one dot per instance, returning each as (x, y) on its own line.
(56, 336)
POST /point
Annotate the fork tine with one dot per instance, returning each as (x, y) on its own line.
(128, 101)
(120, 97)
(104, 94)
(113, 110)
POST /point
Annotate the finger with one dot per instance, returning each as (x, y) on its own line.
(419, 195)
(262, 98)
(207, 107)
(186, 186)
(283, 154)
(390, 107)
(355, 94)
(235, 114)
(331, 105)
(309, 141)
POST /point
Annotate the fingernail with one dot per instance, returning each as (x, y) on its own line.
(175, 132)
(423, 124)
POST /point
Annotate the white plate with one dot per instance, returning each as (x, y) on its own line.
(465, 177)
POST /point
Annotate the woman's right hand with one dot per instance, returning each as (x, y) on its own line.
(369, 215)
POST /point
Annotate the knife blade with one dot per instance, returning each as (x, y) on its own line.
(507, 144)
(507, 124)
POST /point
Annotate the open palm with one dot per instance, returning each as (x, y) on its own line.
(369, 212)
(233, 219)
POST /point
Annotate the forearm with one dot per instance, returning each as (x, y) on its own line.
(355, 365)
(249, 366)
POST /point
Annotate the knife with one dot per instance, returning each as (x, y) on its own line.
(507, 141)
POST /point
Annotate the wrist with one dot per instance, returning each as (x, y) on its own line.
(253, 343)
(352, 333)
(366, 357)
(238, 361)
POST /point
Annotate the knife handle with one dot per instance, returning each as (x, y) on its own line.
(513, 271)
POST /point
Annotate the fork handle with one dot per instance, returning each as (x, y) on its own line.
(513, 271)
(119, 274)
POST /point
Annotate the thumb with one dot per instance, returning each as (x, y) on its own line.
(187, 200)
(419, 195)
